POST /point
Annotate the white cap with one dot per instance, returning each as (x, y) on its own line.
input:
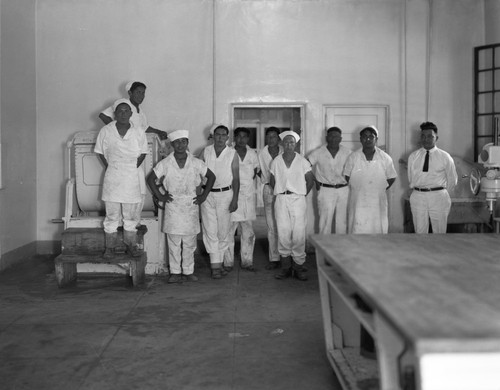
(129, 85)
(178, 134)
(292, 133)
(121, 101)
(371, 127)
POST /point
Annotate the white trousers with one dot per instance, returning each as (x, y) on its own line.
(272, 232)
(333, 201)
(247, 242)
(116, 212)
(433, 205)
(216, 223)
(181, 253)
(291, 219)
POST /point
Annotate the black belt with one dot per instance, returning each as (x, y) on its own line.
(286, 193)
(331, 185)
(428, 189)
(266, 184)
(220, 189)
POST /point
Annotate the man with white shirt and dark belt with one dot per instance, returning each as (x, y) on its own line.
(291, 180)
(432, 175)
(222, 200)
(333, 190)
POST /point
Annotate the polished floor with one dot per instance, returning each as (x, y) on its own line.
(246, 331)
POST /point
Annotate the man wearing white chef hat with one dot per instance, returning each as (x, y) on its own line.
(180, 174)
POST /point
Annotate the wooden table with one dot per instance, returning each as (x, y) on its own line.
(433, 309)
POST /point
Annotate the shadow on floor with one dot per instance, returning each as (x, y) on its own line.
(246, 331)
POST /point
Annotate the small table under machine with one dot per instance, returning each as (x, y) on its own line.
(431, 302)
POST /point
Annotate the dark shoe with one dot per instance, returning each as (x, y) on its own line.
(284, 273)
(227, 268)
(273, 265)
(299, 272)
(249, 268)
(217, 273)
(190, 278)
(300, 275)
(175, 278)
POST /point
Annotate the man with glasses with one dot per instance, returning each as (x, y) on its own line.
(432, 175)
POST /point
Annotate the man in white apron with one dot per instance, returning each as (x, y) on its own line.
(291, 179)
(181, 175)
(216, 211)
(136, 91)
(266, 156)
(122, 149)
(432, 175)
(333, 191)
(370, 173)
(245, 214)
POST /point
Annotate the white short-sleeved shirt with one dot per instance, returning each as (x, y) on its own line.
(265, 160)
(290, 179)
(138, 118)
(442, 172)
(221, 166)
(181, 215)
(329, 170)
(122, 180)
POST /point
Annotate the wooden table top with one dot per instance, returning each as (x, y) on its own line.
(440, 291)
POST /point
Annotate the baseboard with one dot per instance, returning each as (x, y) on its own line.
(48, 247)
(18, 255)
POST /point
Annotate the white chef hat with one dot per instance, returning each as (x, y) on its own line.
(292, 133)
(120, 101)
(178, 134)
(372, 128)
(129, 85)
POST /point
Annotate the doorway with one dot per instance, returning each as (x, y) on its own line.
(258, 118)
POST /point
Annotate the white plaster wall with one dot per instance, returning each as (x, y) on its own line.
(318, 52)
(456, 29)
(88, 50)
(18, 128)
(491, 21)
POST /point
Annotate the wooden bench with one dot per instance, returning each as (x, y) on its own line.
(66, 272)
(86, 245)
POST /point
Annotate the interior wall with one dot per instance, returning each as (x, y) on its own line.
(451, 104)
(88, 50)
(491, 18)
(317, 52)
(18, 130)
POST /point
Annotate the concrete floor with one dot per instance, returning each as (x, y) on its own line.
(246, 331)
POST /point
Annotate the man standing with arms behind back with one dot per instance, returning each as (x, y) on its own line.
(432, 175)
(333, 190)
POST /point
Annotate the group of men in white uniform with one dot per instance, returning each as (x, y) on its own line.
(351, 189)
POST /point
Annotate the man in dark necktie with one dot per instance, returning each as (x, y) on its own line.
(432, 175)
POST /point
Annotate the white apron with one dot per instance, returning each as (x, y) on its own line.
(122, 181)
(181, 216)
(368, 200)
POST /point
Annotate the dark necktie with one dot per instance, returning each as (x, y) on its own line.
(426, 162)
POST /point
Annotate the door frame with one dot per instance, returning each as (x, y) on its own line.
(300, 105)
